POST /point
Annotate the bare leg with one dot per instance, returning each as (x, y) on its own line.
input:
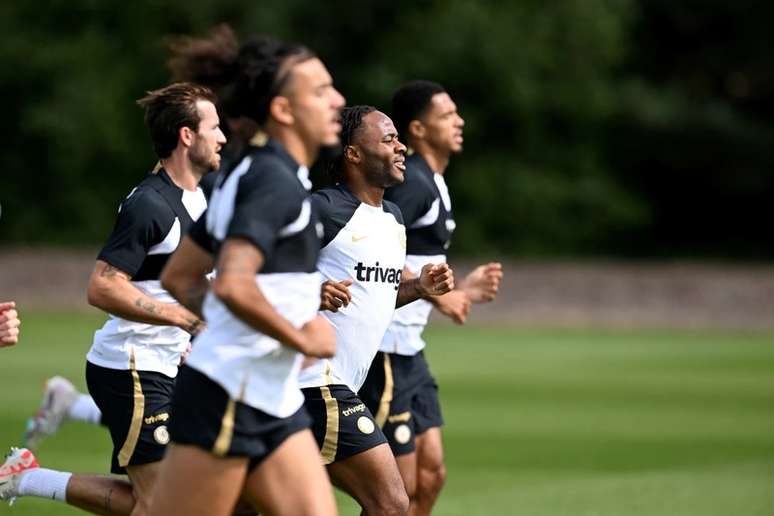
(372, 478)
(195, 482)
(100, 495)
(431, 471)
(143, 479)
(407, 465)
(295, 463)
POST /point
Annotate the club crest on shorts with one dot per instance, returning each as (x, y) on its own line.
(161, 434)
(365, 425)
(402, 434)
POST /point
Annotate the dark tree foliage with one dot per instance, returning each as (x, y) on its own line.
(602, 127)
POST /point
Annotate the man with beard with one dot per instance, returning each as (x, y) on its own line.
(134, 359)
(400, 389)
(362, 257)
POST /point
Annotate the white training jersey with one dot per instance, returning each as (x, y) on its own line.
(366, 244)
(263, 200)
(147, 231)
(424, 201)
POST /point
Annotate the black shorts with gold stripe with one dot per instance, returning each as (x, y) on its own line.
(403, 394)
(342, 424)
(206, 417)
(135, 407)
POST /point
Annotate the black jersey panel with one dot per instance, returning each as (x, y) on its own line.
(198, 233)
(392, 208)
(208, 182)
(415, 195)
(335, 206)
(144, 218)
(267, 201)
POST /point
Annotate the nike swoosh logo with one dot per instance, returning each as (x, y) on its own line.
(356, 238)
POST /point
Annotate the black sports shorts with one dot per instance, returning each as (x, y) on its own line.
(206, 417)
(342, 424)
(135, 407)
(403, 394)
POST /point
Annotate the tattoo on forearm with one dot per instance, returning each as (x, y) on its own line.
(148, 306)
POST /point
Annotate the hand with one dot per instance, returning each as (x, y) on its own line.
(482, 284)
(320, 338)
(335, 295)
(9, 324)
(435, 280)
(455, 305)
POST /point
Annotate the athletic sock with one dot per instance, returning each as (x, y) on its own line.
(44, 483)
(84, 409)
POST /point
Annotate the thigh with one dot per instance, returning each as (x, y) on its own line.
(135, 407)
(407, 466)
(430, 449)
(195, 482)
(143, 479)
(342, 424)
(365, 475)
(296, 463)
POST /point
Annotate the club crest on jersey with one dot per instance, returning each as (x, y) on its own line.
(378, 274)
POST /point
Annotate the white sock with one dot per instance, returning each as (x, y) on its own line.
(44, 483)
(84, 409)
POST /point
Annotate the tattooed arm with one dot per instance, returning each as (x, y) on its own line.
(185, 274)
(110, 289)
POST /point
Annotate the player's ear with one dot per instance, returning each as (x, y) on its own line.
(352, 154)
(416, 129)
(186, 136)
(279, 109)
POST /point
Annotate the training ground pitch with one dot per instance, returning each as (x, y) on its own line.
(539, 422)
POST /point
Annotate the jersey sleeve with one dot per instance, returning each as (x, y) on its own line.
(265, 203)
(322, 205)
(198, 233)
(137, 229)
(413, 198)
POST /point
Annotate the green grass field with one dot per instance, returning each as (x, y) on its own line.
(539, 422)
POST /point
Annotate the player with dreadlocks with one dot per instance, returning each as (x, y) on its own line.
(363, 254)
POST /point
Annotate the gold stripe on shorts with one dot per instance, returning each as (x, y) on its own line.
(223, 442)
(226, 434)
(386, 399)
(127, 450)
(331, 441)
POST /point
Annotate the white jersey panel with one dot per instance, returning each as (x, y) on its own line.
(404, 335)
(370, 250)
(252, 367)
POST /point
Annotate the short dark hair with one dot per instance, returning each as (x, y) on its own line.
(351, 120)
(410, 102)
(170, 108)
(263, 68)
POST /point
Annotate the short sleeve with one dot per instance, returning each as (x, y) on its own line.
(322, 206)
(198, 233)
(137, 229)
(413, 197)
(265, 203)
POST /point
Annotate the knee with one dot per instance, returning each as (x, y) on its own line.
(431, 480)
(392, 501)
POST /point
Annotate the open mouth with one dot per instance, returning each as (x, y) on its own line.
(400, 164)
